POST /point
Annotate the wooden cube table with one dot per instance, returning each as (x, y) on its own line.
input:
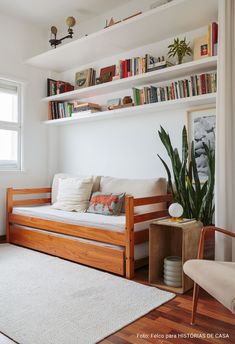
(172, 239)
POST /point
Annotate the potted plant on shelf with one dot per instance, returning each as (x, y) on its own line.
(180, 48)
(196, 198)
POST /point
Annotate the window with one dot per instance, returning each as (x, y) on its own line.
(10, 125)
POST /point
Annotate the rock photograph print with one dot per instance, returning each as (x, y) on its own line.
(202, 130)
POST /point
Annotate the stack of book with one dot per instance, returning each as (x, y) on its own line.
(60, 110)
(85, 108)
(193, 86)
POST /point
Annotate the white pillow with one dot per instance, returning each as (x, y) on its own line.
(73, 194)
(57, 176)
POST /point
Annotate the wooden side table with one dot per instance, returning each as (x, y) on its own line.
(172, 239)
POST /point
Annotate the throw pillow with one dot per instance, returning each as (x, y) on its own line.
(73, 194)
(106, 203)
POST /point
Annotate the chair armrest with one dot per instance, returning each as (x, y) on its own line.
(206, 230)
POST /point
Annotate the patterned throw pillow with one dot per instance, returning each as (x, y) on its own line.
(106, 203)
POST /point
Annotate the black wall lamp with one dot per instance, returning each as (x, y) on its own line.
(70, 22)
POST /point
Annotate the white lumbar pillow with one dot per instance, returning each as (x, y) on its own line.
(73, 194)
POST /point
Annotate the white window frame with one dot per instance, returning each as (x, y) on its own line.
(14, 126)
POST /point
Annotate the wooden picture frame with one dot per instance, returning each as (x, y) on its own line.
(201, 124)
(107, 73)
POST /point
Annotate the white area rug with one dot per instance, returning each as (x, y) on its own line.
(47, 300)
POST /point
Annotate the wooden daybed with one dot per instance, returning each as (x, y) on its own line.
(59, 238)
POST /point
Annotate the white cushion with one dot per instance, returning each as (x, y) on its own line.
(57, 176)
(73, 194)
(136, 188)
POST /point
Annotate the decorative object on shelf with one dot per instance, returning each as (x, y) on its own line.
(110, 22)
(173, 271)
(159, 3)
(175, 211)
(155, 63)
(57, 87)
(127, 100)
(107, 73)
(181, 48)
(84, 78)
(201, 129)
(200, 47)
(111, 103)
(117, 103)
(197, 199)
(70, 22)
(133, 15)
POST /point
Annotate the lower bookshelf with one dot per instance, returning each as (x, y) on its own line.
(182, 103)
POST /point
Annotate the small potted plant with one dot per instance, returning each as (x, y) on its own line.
(180, 48)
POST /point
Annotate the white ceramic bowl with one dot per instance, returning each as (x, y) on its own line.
(173, 274)
(173, 261)
(173, 268)
(173, 284)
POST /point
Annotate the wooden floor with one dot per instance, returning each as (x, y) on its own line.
(170, 323)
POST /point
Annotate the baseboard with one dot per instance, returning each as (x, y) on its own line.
(2, 238)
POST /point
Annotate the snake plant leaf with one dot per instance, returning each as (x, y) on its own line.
(168, 175)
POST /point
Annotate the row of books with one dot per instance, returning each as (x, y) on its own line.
(213, 38)
(57, 86)
(193, 86)
(59, 110)
(140, 65)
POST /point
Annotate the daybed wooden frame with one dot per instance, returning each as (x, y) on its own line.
(66, 246)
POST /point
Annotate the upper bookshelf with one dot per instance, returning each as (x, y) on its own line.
(160, 75)
(171, 19)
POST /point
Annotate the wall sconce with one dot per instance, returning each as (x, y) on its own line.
(70, 22)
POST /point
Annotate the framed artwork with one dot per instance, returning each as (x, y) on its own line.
(107, 73)
(201, 124)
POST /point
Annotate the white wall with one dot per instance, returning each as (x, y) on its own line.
(122, 147)
(19, 41)
(126, 146)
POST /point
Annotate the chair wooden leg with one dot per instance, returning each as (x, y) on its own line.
(195, 300)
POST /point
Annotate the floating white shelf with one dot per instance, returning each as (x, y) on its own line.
(170, 73)
(131, 111)
(149, 27)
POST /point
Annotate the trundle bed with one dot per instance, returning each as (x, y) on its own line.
(117, 244)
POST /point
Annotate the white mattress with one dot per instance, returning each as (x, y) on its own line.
(113, 223)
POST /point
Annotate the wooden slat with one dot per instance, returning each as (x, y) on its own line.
(129, 208)
(9, 207)
(141, 236)
(111, 237)
(152, 200)
(150, 216)
(139, 263)
(30, 191)
(34, 201)
(104, 258)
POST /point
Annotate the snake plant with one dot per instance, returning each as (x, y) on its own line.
(197, 199)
